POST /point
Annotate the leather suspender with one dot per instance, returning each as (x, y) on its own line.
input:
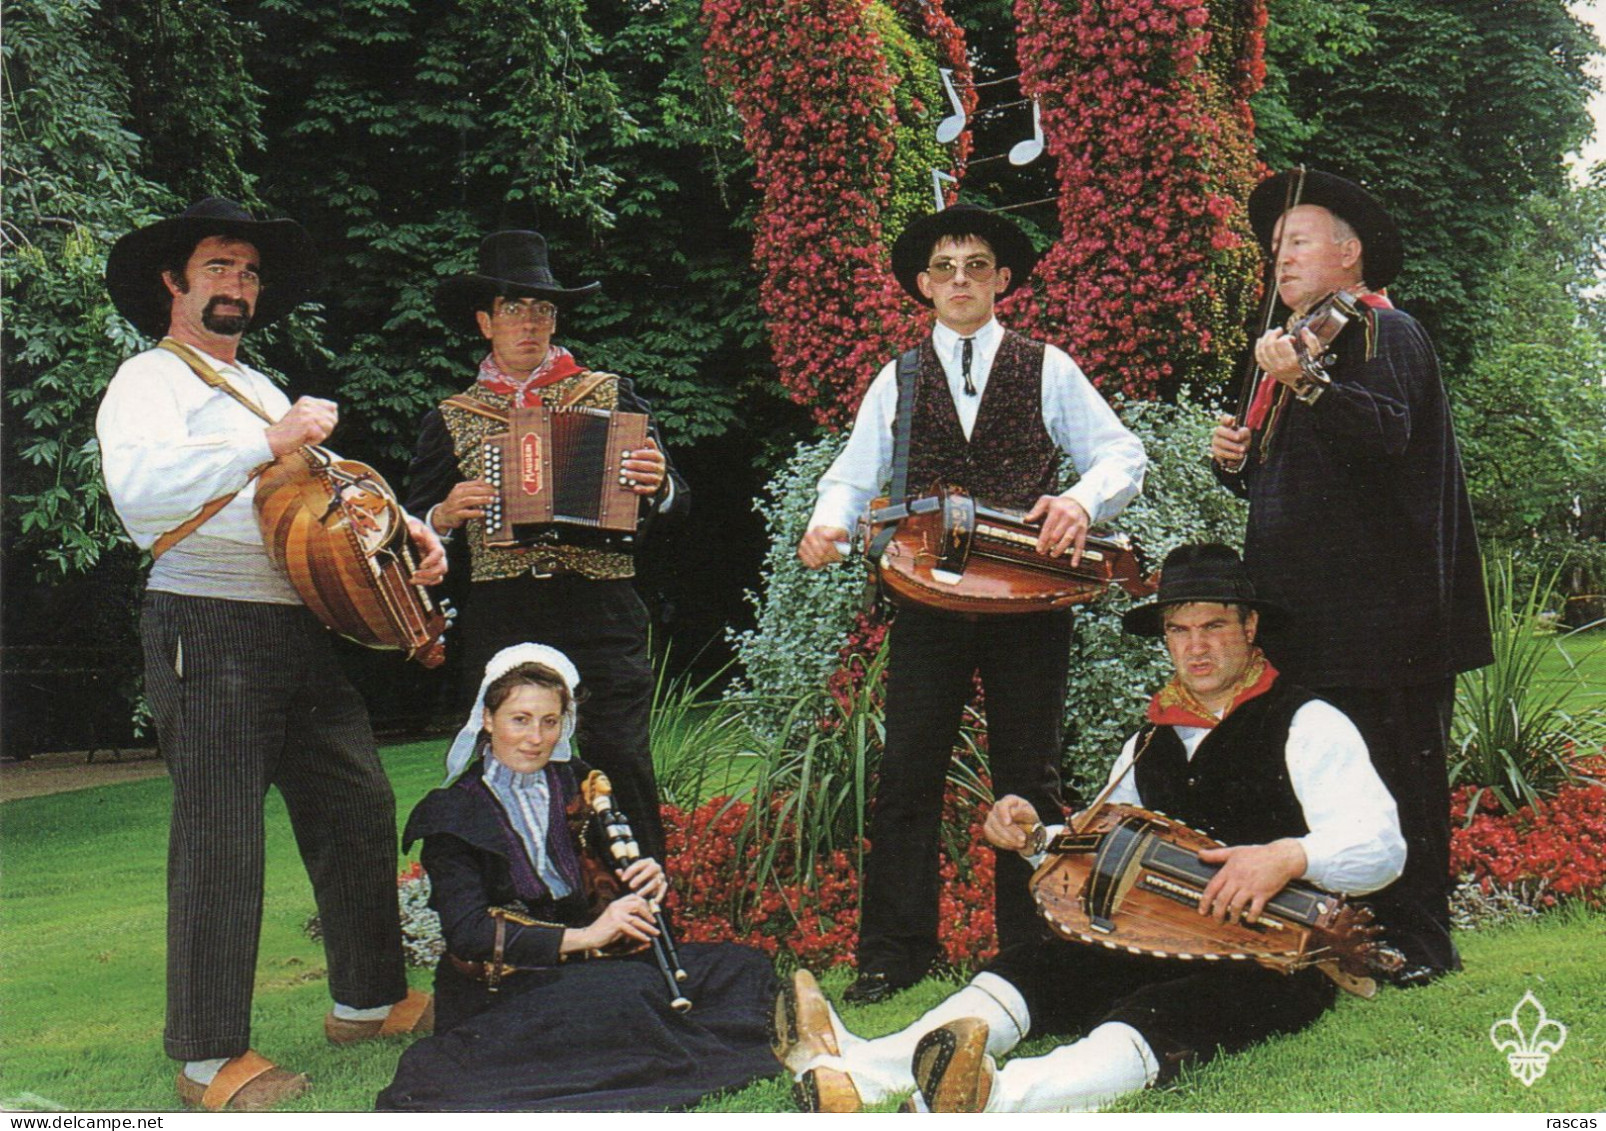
(902, 435)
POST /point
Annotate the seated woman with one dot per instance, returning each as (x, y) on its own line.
(536, 1006)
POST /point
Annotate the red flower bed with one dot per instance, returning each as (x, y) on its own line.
(1561, 842)
(818, 928)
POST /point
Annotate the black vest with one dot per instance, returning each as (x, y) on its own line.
(1010, 459)
(1236, 788)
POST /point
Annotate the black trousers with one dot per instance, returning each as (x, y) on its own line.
(1023, 662)
(248, 695)
(1407, 731)
(1186, 1011)
(602, 627)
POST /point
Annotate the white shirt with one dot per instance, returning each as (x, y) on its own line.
(1108, 458)
(169, 444)
(1354, 845)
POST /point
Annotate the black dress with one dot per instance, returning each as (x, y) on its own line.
(593, 1035)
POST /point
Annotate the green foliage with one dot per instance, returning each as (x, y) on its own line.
(589, 122)
(803, 615)
(698, 739)
(72, 182)
(1529, 410)
(1452, 113)
(1516, 734)
(918, 98)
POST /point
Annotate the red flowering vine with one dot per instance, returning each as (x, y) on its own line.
(814, 89)
(1145, 108)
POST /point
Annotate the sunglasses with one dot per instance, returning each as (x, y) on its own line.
(978, 268)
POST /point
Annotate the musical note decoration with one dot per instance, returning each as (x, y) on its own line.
(937, 179)
(1025, 152)
(954, 124)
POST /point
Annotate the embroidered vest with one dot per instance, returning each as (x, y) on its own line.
(468, 431)
(1236, 787)
(1010, 459)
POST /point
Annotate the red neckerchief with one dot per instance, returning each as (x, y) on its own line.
(1174, 705)
(1260, 404)
(558, 364)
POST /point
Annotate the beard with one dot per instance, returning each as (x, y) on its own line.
(230, 322)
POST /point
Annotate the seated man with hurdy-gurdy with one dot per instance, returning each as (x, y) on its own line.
(1280, 778)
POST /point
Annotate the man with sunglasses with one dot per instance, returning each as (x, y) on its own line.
(574, 593)
(994, 413)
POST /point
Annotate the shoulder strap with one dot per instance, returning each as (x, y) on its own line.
(593, 379)
(206, 373)
(480, 408)
(903, 426)
(902, 430)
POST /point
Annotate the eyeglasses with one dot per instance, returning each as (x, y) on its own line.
(525, 310)
(977, 267)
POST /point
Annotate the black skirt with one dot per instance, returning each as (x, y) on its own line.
(599, 1036)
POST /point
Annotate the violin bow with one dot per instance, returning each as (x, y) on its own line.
(1250, 381)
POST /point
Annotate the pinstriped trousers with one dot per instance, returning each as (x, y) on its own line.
(248, 695)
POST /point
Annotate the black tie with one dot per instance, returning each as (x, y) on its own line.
(964, 365)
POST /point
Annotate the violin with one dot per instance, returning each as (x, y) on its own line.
(1326, 320)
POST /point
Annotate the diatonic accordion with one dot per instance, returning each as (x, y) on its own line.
(557, 467)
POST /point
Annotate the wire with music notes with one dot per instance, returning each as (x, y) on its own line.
(1022, 153)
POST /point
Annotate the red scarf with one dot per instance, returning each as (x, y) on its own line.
(1174, 705)
(558, 364)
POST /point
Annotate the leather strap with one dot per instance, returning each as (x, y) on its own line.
(902, 437)
(214, 379)
(233, 1076)
(480, 408)
(211, 376)
(494, 970)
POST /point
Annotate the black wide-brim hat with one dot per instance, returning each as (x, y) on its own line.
(912, 251)
(512, 263)
(134, 267)
(1382, 253)
(1205, 571)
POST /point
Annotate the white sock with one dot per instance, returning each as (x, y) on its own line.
(883, 1066)
(1110, 1061)
(349, 1013)
(204, 1071)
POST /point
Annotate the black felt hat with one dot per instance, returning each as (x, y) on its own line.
(1205, 571)
(1382, 253)
(512, 263)
(912, 251)
(134, 267)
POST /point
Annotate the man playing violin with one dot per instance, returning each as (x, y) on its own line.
(993, 413)
(1229, 748)
(1359, 523)
(242, 680)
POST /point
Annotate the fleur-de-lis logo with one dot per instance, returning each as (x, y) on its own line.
(1528, 1037)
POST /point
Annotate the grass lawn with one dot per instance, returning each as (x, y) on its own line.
(81, 977)
(1578, 661)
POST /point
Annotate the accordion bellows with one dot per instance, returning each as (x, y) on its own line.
(558, 466)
